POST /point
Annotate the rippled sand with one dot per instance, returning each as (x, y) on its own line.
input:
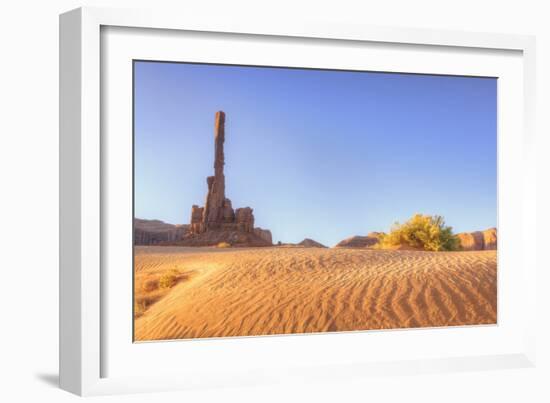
(244, 292)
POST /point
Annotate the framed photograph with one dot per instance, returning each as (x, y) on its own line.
(253, 202)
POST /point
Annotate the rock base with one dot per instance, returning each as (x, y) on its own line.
(215, 237)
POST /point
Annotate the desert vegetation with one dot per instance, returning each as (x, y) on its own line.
(151, 287)
(421, 232)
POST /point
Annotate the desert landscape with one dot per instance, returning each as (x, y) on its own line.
(276, 290)
(221, 276)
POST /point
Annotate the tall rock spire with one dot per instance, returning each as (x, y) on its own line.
(215, 199)
(219, 139)
(217, 221)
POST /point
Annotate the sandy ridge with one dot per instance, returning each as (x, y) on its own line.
(260, 291)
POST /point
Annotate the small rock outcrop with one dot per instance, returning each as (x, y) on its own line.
(306, 243)
(217, 221)
(490, 239)
(478, 240)
(359, 241)
(471, 240)
(310, 243)
(265, 234)
(244, 219)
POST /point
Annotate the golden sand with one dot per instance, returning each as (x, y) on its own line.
(259, 291)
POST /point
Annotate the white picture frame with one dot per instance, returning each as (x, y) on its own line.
(85, 345)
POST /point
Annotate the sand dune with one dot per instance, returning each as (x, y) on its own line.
(241, 292)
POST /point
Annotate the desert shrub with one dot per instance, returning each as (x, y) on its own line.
(141, 304)
(422, 232)
(150, 285)
(139, 308)
(169, 279)
(224, 245)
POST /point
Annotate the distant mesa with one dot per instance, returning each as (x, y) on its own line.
(359, 241)
(479, 240)
(306, 243)
(151, 232)
(310, 243)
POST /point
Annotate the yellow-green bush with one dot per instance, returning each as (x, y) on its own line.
(422, 232)
(169, 279)
(224, 245)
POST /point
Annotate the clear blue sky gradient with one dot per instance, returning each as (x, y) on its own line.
(316, 153)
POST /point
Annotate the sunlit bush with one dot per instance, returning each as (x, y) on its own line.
(169, 279)
(423, 232)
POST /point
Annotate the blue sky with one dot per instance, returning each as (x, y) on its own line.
(317, 153)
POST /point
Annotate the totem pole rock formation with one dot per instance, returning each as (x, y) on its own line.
(216, 203)
(217, 221)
